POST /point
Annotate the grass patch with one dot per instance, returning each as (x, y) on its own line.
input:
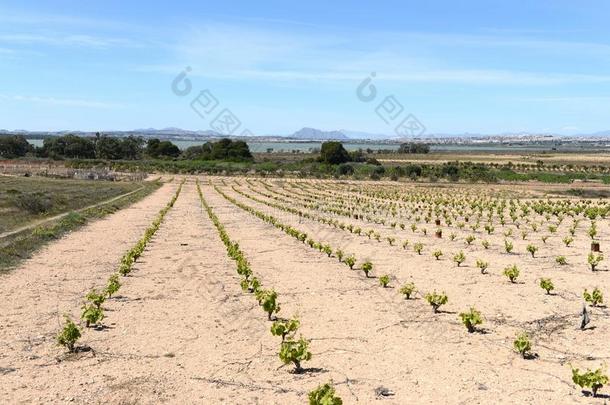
(21, 246)
(24, 200)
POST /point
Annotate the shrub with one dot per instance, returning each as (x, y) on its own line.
(367, 267)
(405, 244)
(328, 250)
(68, 335)
(482, 265)
(568, 240)
(408, 290)
(437, 254)
(544, 238)
(391, 240)
(522, 344)
(250, 285)
(547, 285)
(384, 280)
(268, 300)
(452, 236)
(339, 254)
(594, 260)
(561, 260)
(295, 351)
(594, 298)
(96, 298)
(532, 249)
(469, 239)
(418, 247)
(324, 395)
(92, 315)
(350, 261)
(471, 319)
(436, 300)
(590, 379)
(283, 328)
(512, 272)
(485, 244)
(459, 258)
(113, 285)
(34, 203)
(508, 246)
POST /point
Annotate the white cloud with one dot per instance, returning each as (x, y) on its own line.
(71, 102)
(243, 52)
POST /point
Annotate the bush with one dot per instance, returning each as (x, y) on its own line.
(384, 280)
(295, 351)
(408, 290)
(113, 285)
(522, 344)
(350, 261)
(471, 319)
(367, 267)
(283, 328)
(508, 246)
(418, 247)
(561, 260)
(594, 298)
(512, 272)
(92, 314)
(590, 379)
(459, 258)
(547, 285)
(436, 300)
(68, 335)
(324, 395)
(96, 298)
(594, 260)
(482, 265)
(268, 300)
(437, 254)
(532, 249)
(34, 203)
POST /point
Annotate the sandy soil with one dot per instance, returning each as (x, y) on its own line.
(181, 330)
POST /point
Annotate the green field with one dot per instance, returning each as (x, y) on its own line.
(65, 203)
(24, 200)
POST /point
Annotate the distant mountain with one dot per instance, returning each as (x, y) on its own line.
(312, 134)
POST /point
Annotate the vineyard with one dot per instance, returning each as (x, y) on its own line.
(261, 290)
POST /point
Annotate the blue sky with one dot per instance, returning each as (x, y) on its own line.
(458, 66)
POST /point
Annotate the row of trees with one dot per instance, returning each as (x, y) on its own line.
(128, 148)
(14, 146)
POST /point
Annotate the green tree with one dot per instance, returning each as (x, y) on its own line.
(333, 153)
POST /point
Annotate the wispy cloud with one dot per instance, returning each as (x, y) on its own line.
(243, 52)
(70, 102)
(78, 40)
